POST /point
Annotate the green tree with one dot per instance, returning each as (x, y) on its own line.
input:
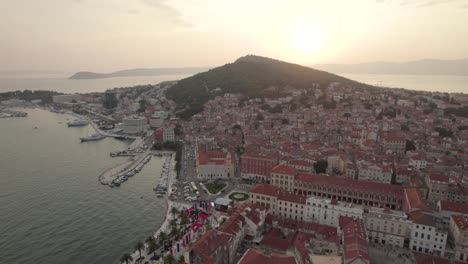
(152, 247)
(169, 259)
(126, 258)
(184, 219)
(139, 246)
(162, 237)
(347, 115)
(181, 259)
(174, 212)
(321, 166)
(410, 146)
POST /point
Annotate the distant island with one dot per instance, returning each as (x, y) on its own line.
(419, 67)
(137, 72)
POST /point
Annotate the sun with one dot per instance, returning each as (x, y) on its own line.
(307, 40)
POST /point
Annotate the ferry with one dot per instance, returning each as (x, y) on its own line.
(92, 138)
(78, 123)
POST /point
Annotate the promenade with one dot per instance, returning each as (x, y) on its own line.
(109, 175)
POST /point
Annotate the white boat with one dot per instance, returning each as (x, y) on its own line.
(78, 123)
(92, 138)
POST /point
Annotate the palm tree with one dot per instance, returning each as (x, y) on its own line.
(126, 258)
(181, 259)
(139, 246)
(150, 239)
(174, 212)
(174, 231)
(184, 220)
(162, 237)
(152, 247)
(169, 259)
(173, 222)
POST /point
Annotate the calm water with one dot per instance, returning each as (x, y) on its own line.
(52, 207)
(431, 83)
(60, 83)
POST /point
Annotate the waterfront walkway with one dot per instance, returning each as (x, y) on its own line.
(109, 175)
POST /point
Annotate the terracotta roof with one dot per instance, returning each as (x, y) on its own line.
(351, 184)
(284, 169)
(275, 239)
(291, 197)
(321, 232)
(265, 189)
(211, 157)
(420, 217)
(206, 245)
(453, 207)
(429, 259)
(461, 221)
(413, 200)
(257, 256)
(438, 177)
(354, 239)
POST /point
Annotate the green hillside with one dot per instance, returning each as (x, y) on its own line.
(253, 76)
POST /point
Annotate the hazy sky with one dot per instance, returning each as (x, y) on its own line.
(108, 35)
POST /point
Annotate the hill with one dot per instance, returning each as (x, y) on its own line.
(420, 67)
(137, 72)
(250, 75)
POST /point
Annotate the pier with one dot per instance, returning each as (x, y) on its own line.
(108, 176)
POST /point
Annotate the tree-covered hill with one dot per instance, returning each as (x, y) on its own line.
(250, 75)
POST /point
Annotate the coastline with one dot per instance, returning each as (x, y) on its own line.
(167, 218)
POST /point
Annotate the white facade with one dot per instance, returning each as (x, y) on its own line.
(388, 227)
(157, 119)
(418, 163)
(134, 125)
(326, 212)
(168, 135)
(428, 239)
(375, 173)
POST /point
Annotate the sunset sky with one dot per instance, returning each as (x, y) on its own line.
(109, 35)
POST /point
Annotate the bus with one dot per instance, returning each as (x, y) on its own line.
(194, 187)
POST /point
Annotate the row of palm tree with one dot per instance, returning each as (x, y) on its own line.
(154, 244)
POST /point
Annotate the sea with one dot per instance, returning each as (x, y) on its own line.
(430, 83)
(53, 208)
(60, 82)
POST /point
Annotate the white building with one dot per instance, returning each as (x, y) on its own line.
(168, 135)
(214, 165)
(157, 119)
(418, 161)
(134, 125)
(427, 236)
(375, 173)
(327, 212)
(66, 98)
(388, 227)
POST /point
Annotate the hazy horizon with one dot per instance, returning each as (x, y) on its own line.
(106, 36)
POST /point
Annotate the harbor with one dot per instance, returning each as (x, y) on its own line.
(120, 173)
(161, 187)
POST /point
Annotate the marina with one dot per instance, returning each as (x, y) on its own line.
(72, 208)
(161, 187)
(127, 174)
